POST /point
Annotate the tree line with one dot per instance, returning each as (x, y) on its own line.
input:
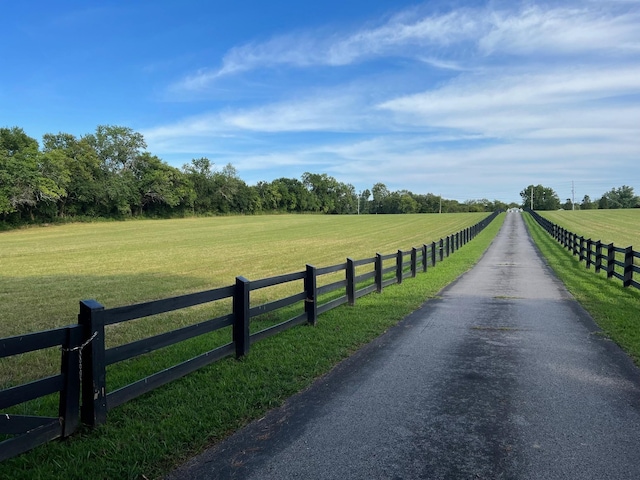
(110, 174)
(545, 198)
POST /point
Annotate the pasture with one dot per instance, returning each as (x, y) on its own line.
(621, 227)
(46, 271)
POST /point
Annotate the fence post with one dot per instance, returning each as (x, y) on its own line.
(311, 289)
(69, 408)
(399, 266)
(441, 250)
(241, 333)
(351, 282)
(433, 254)
(414, 261)
(589, 253)
(378, 266)
(581, 247)
(425, 259)
(628, 267)
(598, 256)
(94, 371)
(448, 246)
(611, 260)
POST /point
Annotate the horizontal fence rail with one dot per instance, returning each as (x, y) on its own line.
(26, 432)
(82, 383)
(617, 262)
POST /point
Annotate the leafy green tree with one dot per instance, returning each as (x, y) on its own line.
(159, 185)
(428, 203)
(269, 195)
(227, 186)
(200, 175)
(363, 199)
(117, 147)
(587, 204)
(30, 178)
(380, 194)
(544, 198)
(622, 197)
(86, 186)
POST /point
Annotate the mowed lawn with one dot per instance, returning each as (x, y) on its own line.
(46, 271)
(621, 227)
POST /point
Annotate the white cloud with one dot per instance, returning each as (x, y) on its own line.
(514, 105)
(561, 30)
(466, 33)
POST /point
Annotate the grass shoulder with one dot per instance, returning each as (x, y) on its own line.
(149, 436)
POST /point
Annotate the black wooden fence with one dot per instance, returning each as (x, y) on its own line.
(617, 262)
(84, 357)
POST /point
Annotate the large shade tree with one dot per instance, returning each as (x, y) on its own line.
(542, 198)
(622, 197)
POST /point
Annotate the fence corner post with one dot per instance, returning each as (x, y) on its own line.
(94, 372)
(311, 289)
(241, 317)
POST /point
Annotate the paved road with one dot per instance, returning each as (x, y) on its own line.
(505, 376)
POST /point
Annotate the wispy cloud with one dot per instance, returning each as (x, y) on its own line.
(466, 33)
(504, 105)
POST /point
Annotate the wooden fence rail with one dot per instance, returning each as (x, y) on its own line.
(82, 383)
(31, 431)
(617, 262)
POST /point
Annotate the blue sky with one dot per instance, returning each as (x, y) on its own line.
(464, 99)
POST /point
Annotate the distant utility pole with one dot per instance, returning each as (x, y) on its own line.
(532, 197)
(573, 196)
(440, 209)
(359, 195)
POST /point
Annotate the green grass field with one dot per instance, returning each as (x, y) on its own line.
(621, 227)
(46, 271)
(148, 436)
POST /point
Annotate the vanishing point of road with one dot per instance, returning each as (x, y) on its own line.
(504, 376)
